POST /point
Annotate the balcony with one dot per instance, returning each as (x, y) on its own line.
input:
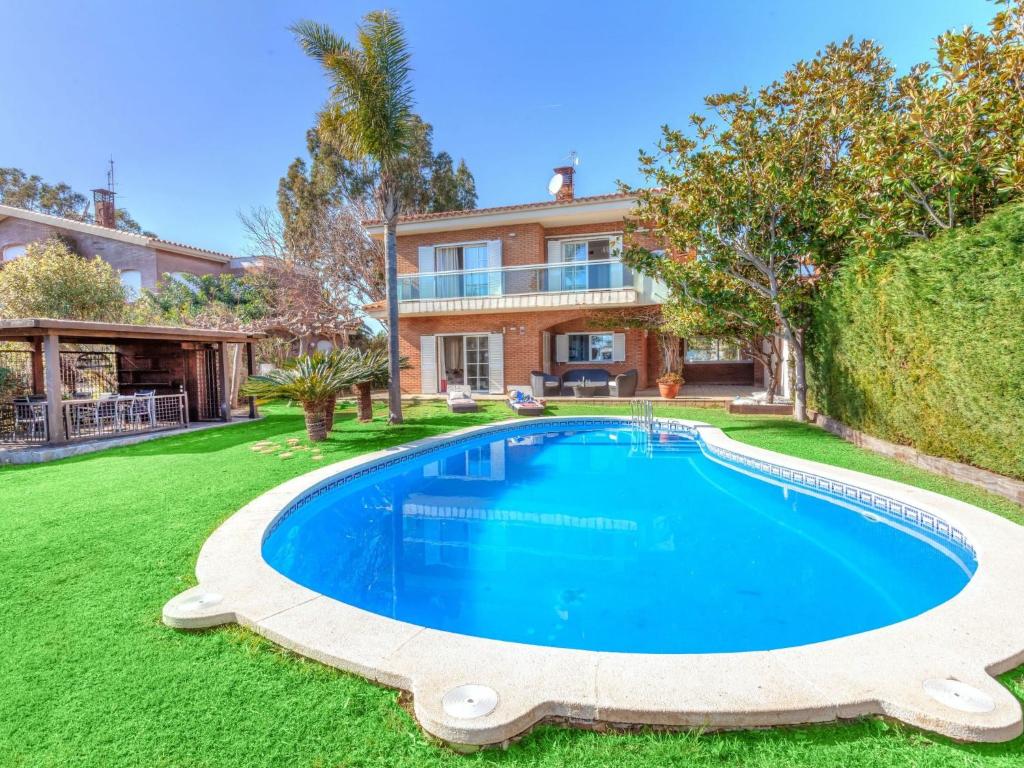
(535, 286)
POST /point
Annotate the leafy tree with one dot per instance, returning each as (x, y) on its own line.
(708, 303)
(750, 190)
(52, 281)
(211, 301)
(947, 144)
(369, 119)
(20, 190)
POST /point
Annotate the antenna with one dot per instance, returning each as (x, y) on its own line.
(555, 184)
(574, 158)
(110, 175)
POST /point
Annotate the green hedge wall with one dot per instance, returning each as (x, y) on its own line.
(924, 346)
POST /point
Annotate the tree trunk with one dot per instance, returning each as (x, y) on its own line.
(364, 401)
(316, 422)
(391, 263)
(796, 342)
(329, 413)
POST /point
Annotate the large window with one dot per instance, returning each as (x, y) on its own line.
(583, 277)
(12, 252)
(590, 347)
(131, 281)
(456, 258)
(705, 350)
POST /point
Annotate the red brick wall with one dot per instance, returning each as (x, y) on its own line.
(523, 335)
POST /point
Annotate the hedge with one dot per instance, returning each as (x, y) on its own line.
(924, 346)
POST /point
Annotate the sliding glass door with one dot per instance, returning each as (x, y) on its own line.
(465, 360)
(477, 363)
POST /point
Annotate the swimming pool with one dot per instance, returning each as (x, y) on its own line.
(610, 538)
(575, 569)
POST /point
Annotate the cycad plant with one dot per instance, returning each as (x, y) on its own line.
(313, 381)
(369, 118)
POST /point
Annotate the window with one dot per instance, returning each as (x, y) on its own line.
(582, 277)
(131, 281)
(456, 258)
(704, 350)
(590, 347)
(12, 252)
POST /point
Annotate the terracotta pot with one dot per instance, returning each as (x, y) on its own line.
(668, 391)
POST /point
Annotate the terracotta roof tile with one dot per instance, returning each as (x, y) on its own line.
(508, 208)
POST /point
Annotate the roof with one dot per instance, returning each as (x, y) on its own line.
(552, 212)
(41, 326)
(113, 234)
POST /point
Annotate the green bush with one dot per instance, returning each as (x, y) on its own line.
(924, 346)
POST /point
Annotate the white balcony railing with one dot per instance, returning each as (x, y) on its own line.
(567, 277)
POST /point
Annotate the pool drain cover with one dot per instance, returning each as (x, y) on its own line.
(468, 701)
(201, 600)
(957, 695)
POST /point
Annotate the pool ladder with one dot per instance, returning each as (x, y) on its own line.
(641, 414)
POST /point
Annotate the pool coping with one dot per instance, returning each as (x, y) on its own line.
(971, 637)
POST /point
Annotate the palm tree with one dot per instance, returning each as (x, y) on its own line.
(369, 118)
(313, 381)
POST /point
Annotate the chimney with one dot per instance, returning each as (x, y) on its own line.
(565, 194)
(103, 204)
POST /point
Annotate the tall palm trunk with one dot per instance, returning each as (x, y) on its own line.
(391, 278)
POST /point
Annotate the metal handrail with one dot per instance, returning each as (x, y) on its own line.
(641, 414)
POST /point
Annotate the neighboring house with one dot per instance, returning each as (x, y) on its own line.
(141, 260)
(489, 295)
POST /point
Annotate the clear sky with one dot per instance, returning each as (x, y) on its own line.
(204, 104)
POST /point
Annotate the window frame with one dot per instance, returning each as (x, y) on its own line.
(4, 259)
(590, 347)
(718, 353)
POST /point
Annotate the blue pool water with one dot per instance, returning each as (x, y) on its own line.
(602, 538)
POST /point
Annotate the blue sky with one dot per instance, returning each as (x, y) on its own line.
(204, 104)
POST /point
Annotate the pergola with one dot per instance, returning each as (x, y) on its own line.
(90, 379)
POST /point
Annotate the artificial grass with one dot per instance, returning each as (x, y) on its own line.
(92, 547)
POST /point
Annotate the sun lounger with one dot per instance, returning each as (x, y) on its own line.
(460, 399)
(521, 400)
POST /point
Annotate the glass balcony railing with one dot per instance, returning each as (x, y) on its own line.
(568, 277)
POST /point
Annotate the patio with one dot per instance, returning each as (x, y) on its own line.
(70, 382)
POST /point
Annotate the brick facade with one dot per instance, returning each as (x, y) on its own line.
(524, 244)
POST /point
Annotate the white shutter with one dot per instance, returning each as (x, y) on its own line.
(555, 257)
(618, 347)
(562, 348)
(426, 261)
(428, 364)
(495, 363)
(615, 247)
(494, 263)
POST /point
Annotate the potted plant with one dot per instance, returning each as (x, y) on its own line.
(669, 383)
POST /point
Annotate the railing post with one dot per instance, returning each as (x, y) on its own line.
(53, 389)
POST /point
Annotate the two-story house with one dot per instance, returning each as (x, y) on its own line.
(489, 295)
(140, 260)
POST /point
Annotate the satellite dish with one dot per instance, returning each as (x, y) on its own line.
(555, 184)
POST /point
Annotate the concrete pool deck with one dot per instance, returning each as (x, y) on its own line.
(933, 671)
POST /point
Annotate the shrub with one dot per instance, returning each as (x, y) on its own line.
(924, 346)
(50, 280)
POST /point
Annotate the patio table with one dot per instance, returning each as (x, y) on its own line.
(584, 389)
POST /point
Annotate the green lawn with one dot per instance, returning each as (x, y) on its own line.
(92, 547)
